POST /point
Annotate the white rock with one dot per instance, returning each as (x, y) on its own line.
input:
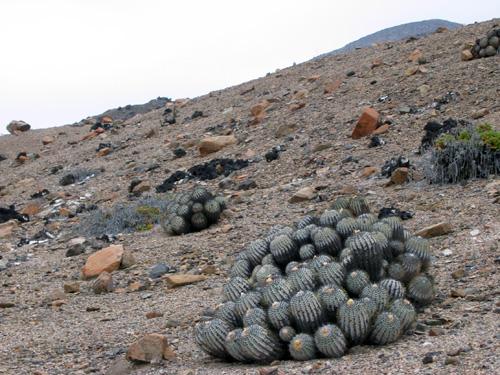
(447, 252)
(474, 232)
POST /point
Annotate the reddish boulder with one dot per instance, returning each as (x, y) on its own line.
(107, 259)
(366, 124)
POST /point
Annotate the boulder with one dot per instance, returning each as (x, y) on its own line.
(399, 176)
(304, 194)
(107, 259)
(183, 279)
(213, 144)
(47, 140)
(331, 87)
(435, 230)
(150, 348)
(103, 283)
(366, 124)
(466, 55)
(16, 127)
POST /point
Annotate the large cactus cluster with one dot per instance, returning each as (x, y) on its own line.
(192, 211)
(342, 279)
(488, 45)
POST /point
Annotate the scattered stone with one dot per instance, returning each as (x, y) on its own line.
(103, 283)
(304, 194)
(480, 113)
(451, 360)
(366, 124)
(399, 176)
(47, 140)
(285, 129)
(430, 357)
(415, 55)
(213, 144)
(128, 259)
(331, 87)
(458, 274)
(381, 129)
(179, 152)
(368, 171)
(296, 106)
(209, 269)
(447, 252)
(71, 287)
(435, 230)
(140, 187)
(10, 213)
(17, 127)
(350, 73)
(76, 246)
(107, 259)
(4, 304)
(7, 228)
(153, 314)
(177, 280)
(150, 348)
(458, 293)
(376, 141)
(158, 270)
(392, 211)
(196, 114)
(466, 55)
(436, 331)
(248, 184)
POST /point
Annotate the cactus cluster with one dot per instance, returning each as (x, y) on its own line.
(487, 46)
(334, 281)
(192, 211)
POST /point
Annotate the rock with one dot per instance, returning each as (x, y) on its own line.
(141, 187)
(415, 55)
(350, 73)
(107, 259)
(366, 124)
(72, 287)
(423, 90)
(138, 286)
(331, 87)
(47, 140)
(429, 357)
(381, 129)
(447, 252)
(451, 360)
(399, 176)
(368, 171)
(209, 269)
(284, 130)
(7, 228)
(213, 144)
(259, 108)
(150, 348)
(128, 260)
(5, 304)
(76, 246)
(104, 151)
(376, 63)
(158, 270)
(436, 331)
(458, 293)
(31, 209)
(466, 55)
(296, 106)
(304, 194)
(480, 113)
(247, 184)
(183, 279)
(120, 366)
(16, 127)
(103, 283)
(435, 230)
(153, 314)
(458, 274)
(179, 152)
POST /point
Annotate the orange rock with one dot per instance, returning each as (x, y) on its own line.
(381, 129)
(7, 228)
(466, 55)
(259, 108)
(295, 106)
(47, 140)
(368, 171)
(183, 279)
(377, 62)
(415, 55)
(152, 347)
(103, 283)
(330, 87)
(103, 151)
(107, 259)
(106, 120)
(153, 314)
(435, 230)
(213, 144)
(31, 209)
(399, 176)
(300, 94)
(63, 211)
(366, 124)
(314, 77)
(91, 135)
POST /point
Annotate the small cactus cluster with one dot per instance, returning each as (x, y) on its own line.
(192, 211)
(331, 282)
(487, 46)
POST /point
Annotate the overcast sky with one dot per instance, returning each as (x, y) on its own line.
(62, 60)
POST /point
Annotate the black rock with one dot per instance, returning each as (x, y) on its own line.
(350, 73)
(394, 163)
(75, 250)
(158, 270)
(67, 179)
(10, 213)
(247, 185)
(217, 167)
(196, 114)
(56, 169)
(169, 183)
(272, 155)
(179, 152)
(430, 357)
(3, 157)
(391, 211)
(40, 194)
(133, 184)
(433, 130)
(168, 117)
(376, 141)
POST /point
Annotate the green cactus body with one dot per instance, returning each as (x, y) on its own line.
(276, 290)
(397, 248)
(302, 236)
(377, 294)
(386, 329)
(365, 222)
(420, 247)
(411, 265)
(302, 347)
(233, 347)
(406, 313)
(302, 279)
(210, 337)
(326, 240)
(284, 249)
(184, 211)
(329, 218)
(287, 333)
(356, 281)
(197, 207)
(341, 202)
(306, 311)
(269, 259)
(331, 273)
(199, 221)
(394, 288)
(222, 202)
(307, 251)
(421, 290)
(353, 318)
(305, 221)
(330, 341)
(233, 289)
(179, 225)
(245, 302)
(318, 261)
(383, 244)
(279, 315)
(366, 253)
(259, 344)
(384, 228)
(241, 268)
(226, 312)
(359, 206)
(212, 210)
(331, 298)
(396, 271)
(256, 250)
(397, 227)
(201, 195)
(265, 272)
(253, 316)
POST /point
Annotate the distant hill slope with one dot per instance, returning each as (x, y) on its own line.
(394, 33)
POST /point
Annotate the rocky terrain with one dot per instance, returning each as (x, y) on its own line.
(395, 33)
(295, 127)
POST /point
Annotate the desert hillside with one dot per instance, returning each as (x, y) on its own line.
(294, 128)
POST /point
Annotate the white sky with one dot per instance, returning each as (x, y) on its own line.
(63, 60)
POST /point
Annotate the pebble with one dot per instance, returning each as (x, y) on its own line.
(451, 361)
(456, 293)
(158, 270)
(458, 274)
(447, 252)
(429, 357)
(474, 232)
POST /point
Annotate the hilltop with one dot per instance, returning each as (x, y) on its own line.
(46, 331)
